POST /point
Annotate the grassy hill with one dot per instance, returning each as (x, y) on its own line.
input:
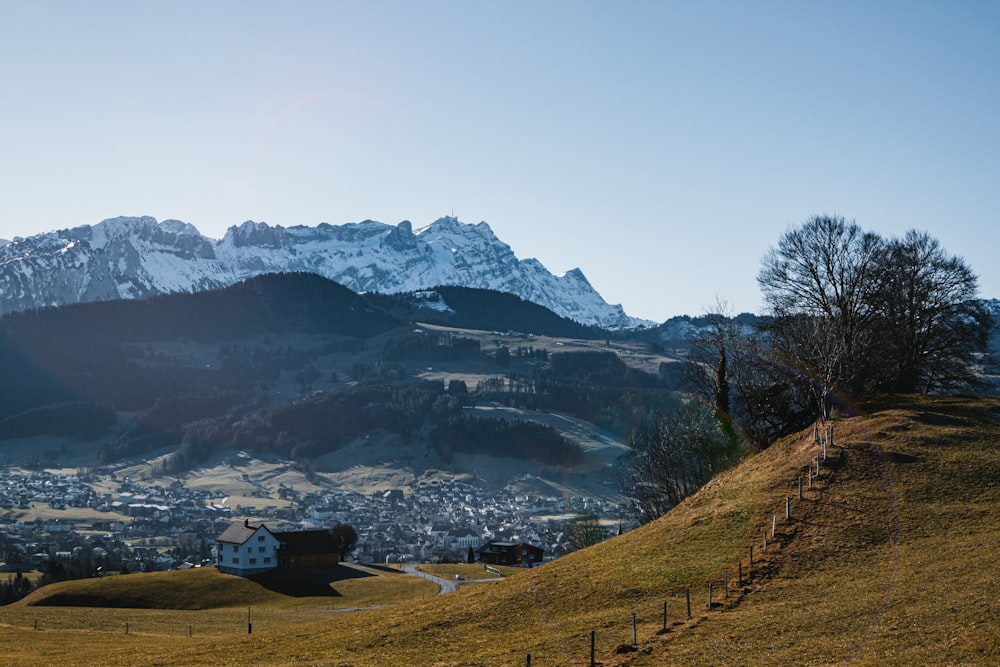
(207, 588)
(887, 559)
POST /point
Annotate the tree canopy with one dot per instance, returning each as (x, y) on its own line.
(848, 312)
(868, 315)
(345, 538)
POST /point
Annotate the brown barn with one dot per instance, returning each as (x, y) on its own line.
(511, 553)
(306, 548)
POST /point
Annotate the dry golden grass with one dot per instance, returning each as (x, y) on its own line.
(888, 560)
(31, 575)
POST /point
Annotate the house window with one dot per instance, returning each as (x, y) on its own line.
(248, 549)
(260, 538)
(236, 560)
(262, 549)
(253, 561)
(267, 559)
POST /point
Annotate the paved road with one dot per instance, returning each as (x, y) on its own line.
(444, 585)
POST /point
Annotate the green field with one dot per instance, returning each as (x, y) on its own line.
(887, 559)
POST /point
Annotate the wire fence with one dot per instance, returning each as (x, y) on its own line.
(681, 605)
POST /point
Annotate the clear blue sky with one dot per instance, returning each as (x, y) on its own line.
(659, 146)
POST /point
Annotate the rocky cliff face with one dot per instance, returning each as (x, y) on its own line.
(127, 258)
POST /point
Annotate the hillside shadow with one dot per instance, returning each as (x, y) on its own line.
(308, 581)
(383, 568)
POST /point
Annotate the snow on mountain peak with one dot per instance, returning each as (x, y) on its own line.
(136, 257)
(180, 228)
(575, 275)
(252, 233)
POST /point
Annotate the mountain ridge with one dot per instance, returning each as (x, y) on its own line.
(138, 257)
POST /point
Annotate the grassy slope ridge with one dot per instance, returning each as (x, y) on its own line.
(208, 589)
(887, 560)
(202, 588)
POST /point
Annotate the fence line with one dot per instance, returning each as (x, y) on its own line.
(823, 438)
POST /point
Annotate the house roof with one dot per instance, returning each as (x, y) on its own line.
(292, 542)
(239, 532)
(462, 533)
(492, 546)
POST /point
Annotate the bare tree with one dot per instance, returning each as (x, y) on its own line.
(868, 315)
(585, 530)
(820, 285)
(753, 397)
(345, 538)
(707, 371)
(674, 458)
(933, 326)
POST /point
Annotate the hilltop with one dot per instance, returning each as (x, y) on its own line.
(886, 560)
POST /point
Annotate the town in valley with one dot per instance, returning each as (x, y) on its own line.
(104, 523)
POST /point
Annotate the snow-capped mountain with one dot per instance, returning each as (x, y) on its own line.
(126, 258)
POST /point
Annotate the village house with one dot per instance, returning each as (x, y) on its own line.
(511, 553)
(247, 548)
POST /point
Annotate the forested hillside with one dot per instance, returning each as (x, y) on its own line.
(296, 366)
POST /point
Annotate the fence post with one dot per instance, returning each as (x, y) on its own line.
(739, 577)
(249, 624)
(528, 662)
(687, 595)
(810, 477)
(817, 465)
(664, 615)
(750, 566)
(725, 583)
(816, 432)
(774, 524)
(788, 508)
(592, 662)
(634, 639)
(710, 595)
(800, 487)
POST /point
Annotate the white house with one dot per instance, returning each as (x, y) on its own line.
(245, 548)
